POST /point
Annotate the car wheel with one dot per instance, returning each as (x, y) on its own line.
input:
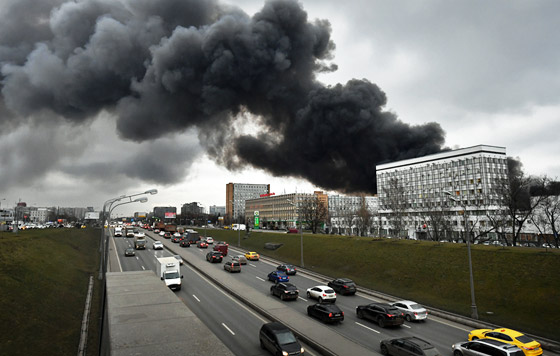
(320, 300)
(457, 353)
(360, 314)
(381, 322)
(282, 297)
(474, 338)
(408, 318)
(262, 345)
(308, 295)
(384, 350)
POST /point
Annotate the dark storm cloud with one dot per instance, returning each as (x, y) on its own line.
(163, 67)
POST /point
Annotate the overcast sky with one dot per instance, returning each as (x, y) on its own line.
(486, 72)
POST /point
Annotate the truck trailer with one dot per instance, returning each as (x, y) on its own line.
(140, 241)
(169, 271)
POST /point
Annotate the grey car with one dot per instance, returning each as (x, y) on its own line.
(232, 266)
(483, 347)
(240, 258)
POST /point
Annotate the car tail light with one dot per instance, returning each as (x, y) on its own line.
(342, 313)
(344, 286)
(324, 295)
(527, 348)
(330, 315)
(390, 315)
(415, 313)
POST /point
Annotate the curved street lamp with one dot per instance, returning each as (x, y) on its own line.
(104, 241)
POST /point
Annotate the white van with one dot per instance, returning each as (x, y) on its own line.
(118, 231)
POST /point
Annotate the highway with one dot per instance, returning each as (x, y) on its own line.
(232, 322)
(237, 326)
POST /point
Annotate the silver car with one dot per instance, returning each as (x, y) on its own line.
(482, 347)
(411, 310)
(232, 266)
(240, 258)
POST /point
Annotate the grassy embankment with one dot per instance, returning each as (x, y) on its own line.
(519, 286)
(44, 276)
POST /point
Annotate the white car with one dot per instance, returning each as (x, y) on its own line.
(322, 293)
(411, 310)
(161, 233)
(157, 245)
(139, 234)
(209, 240)
(177, 234)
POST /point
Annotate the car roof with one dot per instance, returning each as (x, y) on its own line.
(329, 306)
(347, 280)
(407, 302)
(276, 326)
(509, 332)
(496, 343)
(423, 344)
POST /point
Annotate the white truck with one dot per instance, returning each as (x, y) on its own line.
(118, 231)
(169, 270)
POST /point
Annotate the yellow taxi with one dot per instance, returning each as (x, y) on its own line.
(253, 256)
(529, 346)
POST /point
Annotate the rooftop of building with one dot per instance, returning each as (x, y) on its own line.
(444, 155)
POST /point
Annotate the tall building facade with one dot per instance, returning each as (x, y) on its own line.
(161, 212)
(217, 210)
(344, 213)
(277, 211)
(464, 184)
(238, 193)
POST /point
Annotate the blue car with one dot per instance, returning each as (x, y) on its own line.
(277, 276)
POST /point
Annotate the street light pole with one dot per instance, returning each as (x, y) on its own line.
(474, 310)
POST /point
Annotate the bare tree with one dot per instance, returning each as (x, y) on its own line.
(515, 196)
(363, 218)
(438, 222)
(394, 201)
(314, 212)
(546, 216)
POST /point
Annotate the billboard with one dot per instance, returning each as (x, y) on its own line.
(92, 216)
(170, 215)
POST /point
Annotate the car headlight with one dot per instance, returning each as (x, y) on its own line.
(302, 350)
(284, 353)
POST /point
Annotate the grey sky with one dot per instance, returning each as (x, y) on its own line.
(486, 72)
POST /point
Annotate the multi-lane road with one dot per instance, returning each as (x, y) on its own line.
(237, 325)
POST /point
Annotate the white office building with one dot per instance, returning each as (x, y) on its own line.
(462, 185)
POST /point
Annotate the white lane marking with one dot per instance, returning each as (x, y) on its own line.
(252, 265)
(259, 278)
(406, 326)
(143, 268)
(228, 329)
(137, 258)
(115, 247)
(250, 311)
(367, 327)
(303, 299)
(194, 296)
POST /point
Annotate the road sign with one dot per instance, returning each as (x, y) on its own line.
(256, 213)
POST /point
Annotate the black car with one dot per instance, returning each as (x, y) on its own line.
(381, 313)
(167, 235)
(288, 269)
(343, 286)
(411, 345)
(327, 312)
(184, 243)
(278, 339)
(176, 239)
(285, 291)
(129, 252)
(214, 256)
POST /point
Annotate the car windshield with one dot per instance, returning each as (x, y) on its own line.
(286, 337)
(416, 306)
(171, 275)
(329, 291)
(392, 310)
(524, 339)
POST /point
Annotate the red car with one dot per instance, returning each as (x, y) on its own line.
(201, 244)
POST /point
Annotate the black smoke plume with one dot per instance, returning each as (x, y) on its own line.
(164, 66)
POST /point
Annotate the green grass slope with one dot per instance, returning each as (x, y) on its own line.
(44, 277)
(515, 287)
